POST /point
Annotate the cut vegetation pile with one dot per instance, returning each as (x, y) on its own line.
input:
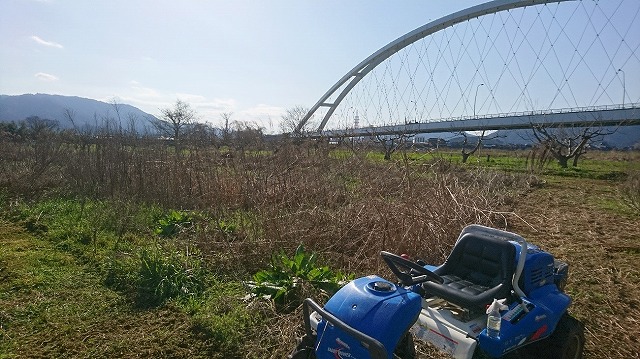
(113, 247)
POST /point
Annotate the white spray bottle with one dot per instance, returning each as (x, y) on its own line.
(494, 318)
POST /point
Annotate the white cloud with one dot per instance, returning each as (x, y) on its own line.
(40, 41)
(209, 109)
(191, 98)
(46, 77)
(144, 92)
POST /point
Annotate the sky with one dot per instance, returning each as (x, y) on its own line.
(253, 58)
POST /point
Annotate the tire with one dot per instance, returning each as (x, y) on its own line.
(567, 341)
(405, 349)
(304, 348)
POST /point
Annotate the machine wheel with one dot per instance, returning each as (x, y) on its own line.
(405, 349)
(304, 348)
(567, 341)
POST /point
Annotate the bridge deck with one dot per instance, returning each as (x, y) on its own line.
(583, 117)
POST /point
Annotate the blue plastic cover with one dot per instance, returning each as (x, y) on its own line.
(373, 306)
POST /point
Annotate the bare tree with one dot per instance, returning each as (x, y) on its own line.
(117, 107)
(201, 135)
(46, 144)
(132, 122)
(466, 154)
(70, 115)
(226, 130)
(566, 144)
(391, 143)
(38, 127)
(247, 134)
(173, 121)
(292, 121)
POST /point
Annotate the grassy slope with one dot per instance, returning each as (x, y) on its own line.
(51, 306)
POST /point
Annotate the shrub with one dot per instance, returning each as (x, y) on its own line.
(289, 280)
(630, 191)
(167, 274)
(173, 223)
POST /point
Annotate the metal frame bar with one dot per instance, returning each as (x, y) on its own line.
(375, 348)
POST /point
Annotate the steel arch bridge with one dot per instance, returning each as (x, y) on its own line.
(580, 113)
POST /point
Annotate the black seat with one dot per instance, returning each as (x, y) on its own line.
(479, 269)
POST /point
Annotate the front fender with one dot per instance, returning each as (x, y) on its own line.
(372, 306)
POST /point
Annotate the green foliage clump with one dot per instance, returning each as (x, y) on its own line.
(163, 275)
(154, 275)
(227, 227)
(173, 223)
(222, 314)
(289, 280)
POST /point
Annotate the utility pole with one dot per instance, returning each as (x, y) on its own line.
(475, 99)
(624, 86)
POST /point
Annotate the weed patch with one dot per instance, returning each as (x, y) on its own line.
(163, 275)
(289, 280)
(173, 223)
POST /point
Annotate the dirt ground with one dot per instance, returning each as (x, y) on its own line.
(579, 221)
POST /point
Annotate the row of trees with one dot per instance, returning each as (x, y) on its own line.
(180, 126)
(563, 144)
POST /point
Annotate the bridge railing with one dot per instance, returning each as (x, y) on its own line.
(632, 105)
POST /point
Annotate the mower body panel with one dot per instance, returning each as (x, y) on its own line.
(440, 327)
(370, 305)
(520, 328)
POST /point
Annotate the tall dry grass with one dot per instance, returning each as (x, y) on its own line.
(346, 207)
(255, 202)
(630, 191)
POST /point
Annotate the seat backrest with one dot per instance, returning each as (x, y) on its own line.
(482, 260)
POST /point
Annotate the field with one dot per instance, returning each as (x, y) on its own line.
(114, 249)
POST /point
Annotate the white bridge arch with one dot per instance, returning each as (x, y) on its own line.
(330, 101)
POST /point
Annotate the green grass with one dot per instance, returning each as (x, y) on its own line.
(77, 273)
(593, 165)
(53, 305)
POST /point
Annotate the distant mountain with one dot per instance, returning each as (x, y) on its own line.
(623, 137)
(85, 112)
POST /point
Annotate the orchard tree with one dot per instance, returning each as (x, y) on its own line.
(567, 144)
(466, 153)
(292, 121)
(174, 121)
(392, 143)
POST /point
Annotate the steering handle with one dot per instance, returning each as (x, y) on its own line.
(407, 278)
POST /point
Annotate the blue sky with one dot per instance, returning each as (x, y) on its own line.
(254, 58)
(250, 57)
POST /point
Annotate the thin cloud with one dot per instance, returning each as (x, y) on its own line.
(42, 42)
(144, 92)
(46, 77)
